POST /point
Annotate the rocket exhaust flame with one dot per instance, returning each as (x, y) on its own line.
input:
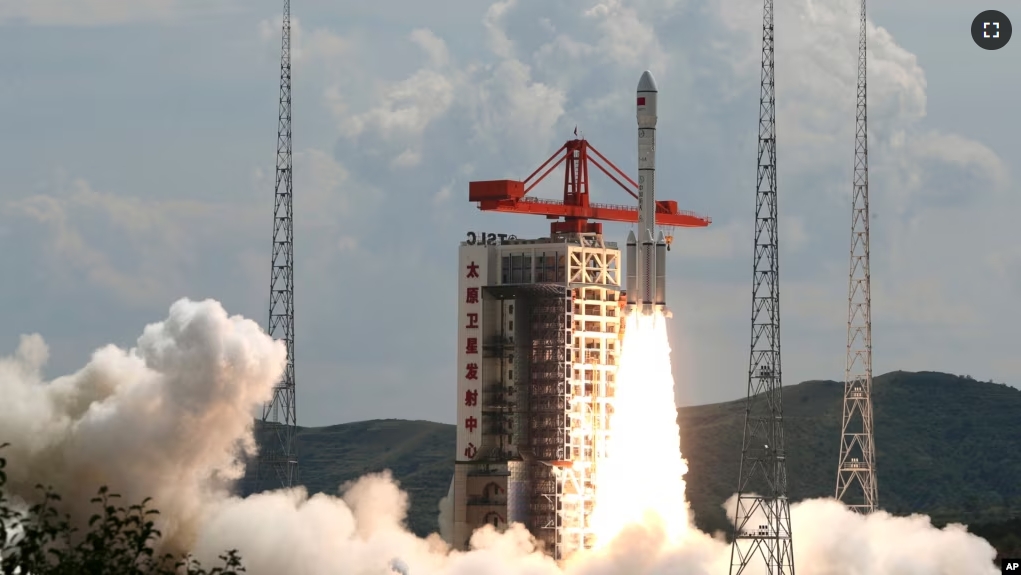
(641, 481)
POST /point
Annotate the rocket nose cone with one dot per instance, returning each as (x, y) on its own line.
(631, 237)
(647, 83)
(661, 237)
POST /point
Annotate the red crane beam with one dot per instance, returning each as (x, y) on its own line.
(510, 195)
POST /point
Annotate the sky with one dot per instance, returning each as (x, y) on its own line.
(137, 154)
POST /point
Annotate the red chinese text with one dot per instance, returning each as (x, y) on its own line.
(473, 321)
(470, 423)
(473, 371)
(473, 270)
(472, 296)
(472, 346)
(471, 397)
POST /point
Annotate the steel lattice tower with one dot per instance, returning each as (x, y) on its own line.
(762, 518)
(856, 470)
(279, 456)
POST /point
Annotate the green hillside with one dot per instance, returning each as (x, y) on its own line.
(946, 446)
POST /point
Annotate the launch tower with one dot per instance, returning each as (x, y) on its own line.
(278, 459)
(762, 519)
(856, 469)
(538, 342)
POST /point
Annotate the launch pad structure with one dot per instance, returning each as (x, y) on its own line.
(856, 468)
(277, 463)
(539, 342)
(540, 326)
(762, 514)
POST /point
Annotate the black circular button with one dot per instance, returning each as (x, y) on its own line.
(991, 30)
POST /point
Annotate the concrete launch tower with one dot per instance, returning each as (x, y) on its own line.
(540, 324)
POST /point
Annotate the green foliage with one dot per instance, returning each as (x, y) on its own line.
(118, 539)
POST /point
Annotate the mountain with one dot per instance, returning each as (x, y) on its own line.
(946, 446)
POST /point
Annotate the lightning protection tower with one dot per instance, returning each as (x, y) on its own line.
(856, 470)
(278, 459)
(762, 518)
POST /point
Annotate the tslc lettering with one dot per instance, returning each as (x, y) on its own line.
(484, 239)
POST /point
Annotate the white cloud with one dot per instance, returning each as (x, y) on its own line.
(332, 209)
(499, 43)
(145, 250)
(627, 40)
(407, 107)
(93, 235)
(511, 110)
(317, 45)
(432, 45)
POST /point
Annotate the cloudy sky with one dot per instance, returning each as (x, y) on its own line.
(138, 143)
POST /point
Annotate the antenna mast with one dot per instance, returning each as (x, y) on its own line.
(762, 519)
(856, 469)
(279, 457)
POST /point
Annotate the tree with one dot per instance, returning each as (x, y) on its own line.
(118, 540)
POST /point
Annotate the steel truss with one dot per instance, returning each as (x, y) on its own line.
(278, 459)
(856, 467)
(762, 515)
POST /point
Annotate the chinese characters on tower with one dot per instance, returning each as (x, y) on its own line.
(471, 279)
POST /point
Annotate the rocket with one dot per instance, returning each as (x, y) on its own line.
(646, 253)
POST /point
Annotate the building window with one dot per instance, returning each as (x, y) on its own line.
(510, 374)
(510, 325)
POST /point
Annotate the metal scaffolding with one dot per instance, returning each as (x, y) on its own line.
(278, 459)
(856, 467)
(762, 521)
(544, 311)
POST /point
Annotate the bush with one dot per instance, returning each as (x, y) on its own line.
(118, 540)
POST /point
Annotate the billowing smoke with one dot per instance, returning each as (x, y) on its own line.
(171, 417)
(165, 419)
(446, 515)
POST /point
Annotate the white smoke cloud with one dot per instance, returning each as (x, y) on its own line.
(165, 419)
(445, 519)
(170, 417)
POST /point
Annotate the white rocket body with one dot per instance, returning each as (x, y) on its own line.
(646, 253)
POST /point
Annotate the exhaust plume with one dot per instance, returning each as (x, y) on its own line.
(171, 418)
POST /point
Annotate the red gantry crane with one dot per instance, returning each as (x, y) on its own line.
(576, 209)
